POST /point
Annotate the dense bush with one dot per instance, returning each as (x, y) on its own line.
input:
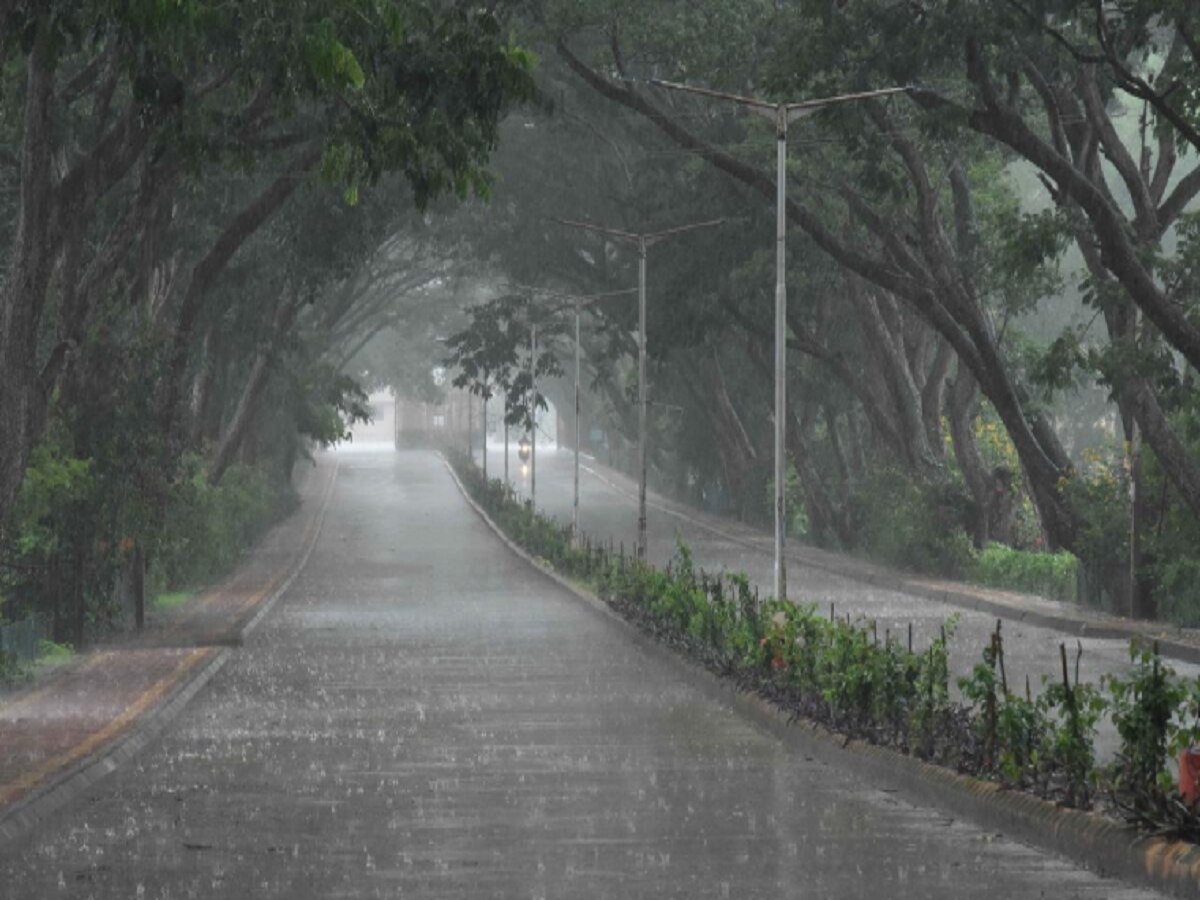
(879, 688)
(919, 526)
(1050, 575)
(207, 527)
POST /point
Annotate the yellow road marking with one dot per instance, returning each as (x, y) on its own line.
(12, 790)
(148, 698)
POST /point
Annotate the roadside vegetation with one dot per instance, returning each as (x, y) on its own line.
(205, 212)
(992, 299)
(879, 687)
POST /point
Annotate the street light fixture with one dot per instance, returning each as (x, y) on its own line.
(643, 241)
(783, 114)
(579, 300)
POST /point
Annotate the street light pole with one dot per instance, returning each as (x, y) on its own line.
(783, 114)
(642, 399)
(575, 503)
(533, 417)
(642, 242)
(485, 401)
(578, 300)
(781, 137)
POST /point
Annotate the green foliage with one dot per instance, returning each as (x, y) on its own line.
(839, 672)
(1050, 575)
(57, 487)
(915, 525)
(1144, 707)
(1099, 490)
(11, 670)
(208, 528)
(172, 600)
(1073, 712)
(53, 653)
(932, 691)
(492, 353)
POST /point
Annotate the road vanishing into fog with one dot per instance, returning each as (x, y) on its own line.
(422, 715)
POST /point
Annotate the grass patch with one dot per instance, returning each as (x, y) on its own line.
(172, 599)
(1051, 575)
(52, 654)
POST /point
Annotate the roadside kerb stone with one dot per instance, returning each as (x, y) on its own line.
(72, 782)
(1101, 844)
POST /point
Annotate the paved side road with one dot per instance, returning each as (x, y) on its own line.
(422, 715)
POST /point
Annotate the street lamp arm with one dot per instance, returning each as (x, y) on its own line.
(845, 98)
(571, 298)
(588, 226)
(718, 95)
(656, 236)
(758, 103)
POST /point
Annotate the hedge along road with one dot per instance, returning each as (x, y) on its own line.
(608, 509)
(424, 715)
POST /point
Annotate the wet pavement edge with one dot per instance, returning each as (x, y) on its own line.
(1096, 842)
(18, 819)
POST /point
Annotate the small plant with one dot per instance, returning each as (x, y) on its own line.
(932, 699)
(52, 653)
(1077, 709)
(840, 673)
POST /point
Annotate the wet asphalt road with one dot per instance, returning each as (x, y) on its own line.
(608, 512)
(421, 715)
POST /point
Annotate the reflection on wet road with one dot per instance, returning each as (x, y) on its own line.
(424, 716)
(608, 510)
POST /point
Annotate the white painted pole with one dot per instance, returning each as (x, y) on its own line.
(642, 400)
(575, 507)
(533, 417)
(781, 126)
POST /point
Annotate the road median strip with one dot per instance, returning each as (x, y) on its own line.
(1100, 843)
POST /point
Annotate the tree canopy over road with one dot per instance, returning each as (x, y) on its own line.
(190, 191)
(992, 297)
(216, 219)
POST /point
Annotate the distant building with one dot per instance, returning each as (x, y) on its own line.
(417, 422)
(382, 427)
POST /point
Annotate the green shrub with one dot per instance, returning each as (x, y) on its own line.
(52, 653)
(840, 673)
(915, 525)
(1050, 575)
(207, 528)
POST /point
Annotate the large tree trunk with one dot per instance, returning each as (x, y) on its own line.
(961, 410)
(738, 454)
(823, 514)
(935, 296)
(202, 391)
(24, 290)
(885, 340)
(1120, 252)
(252, 217)
(252, 391)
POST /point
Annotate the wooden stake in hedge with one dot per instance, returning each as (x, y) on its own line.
(998, 642)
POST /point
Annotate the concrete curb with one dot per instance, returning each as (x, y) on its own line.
(964, 598)
(1100, 844)
(71, 783)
